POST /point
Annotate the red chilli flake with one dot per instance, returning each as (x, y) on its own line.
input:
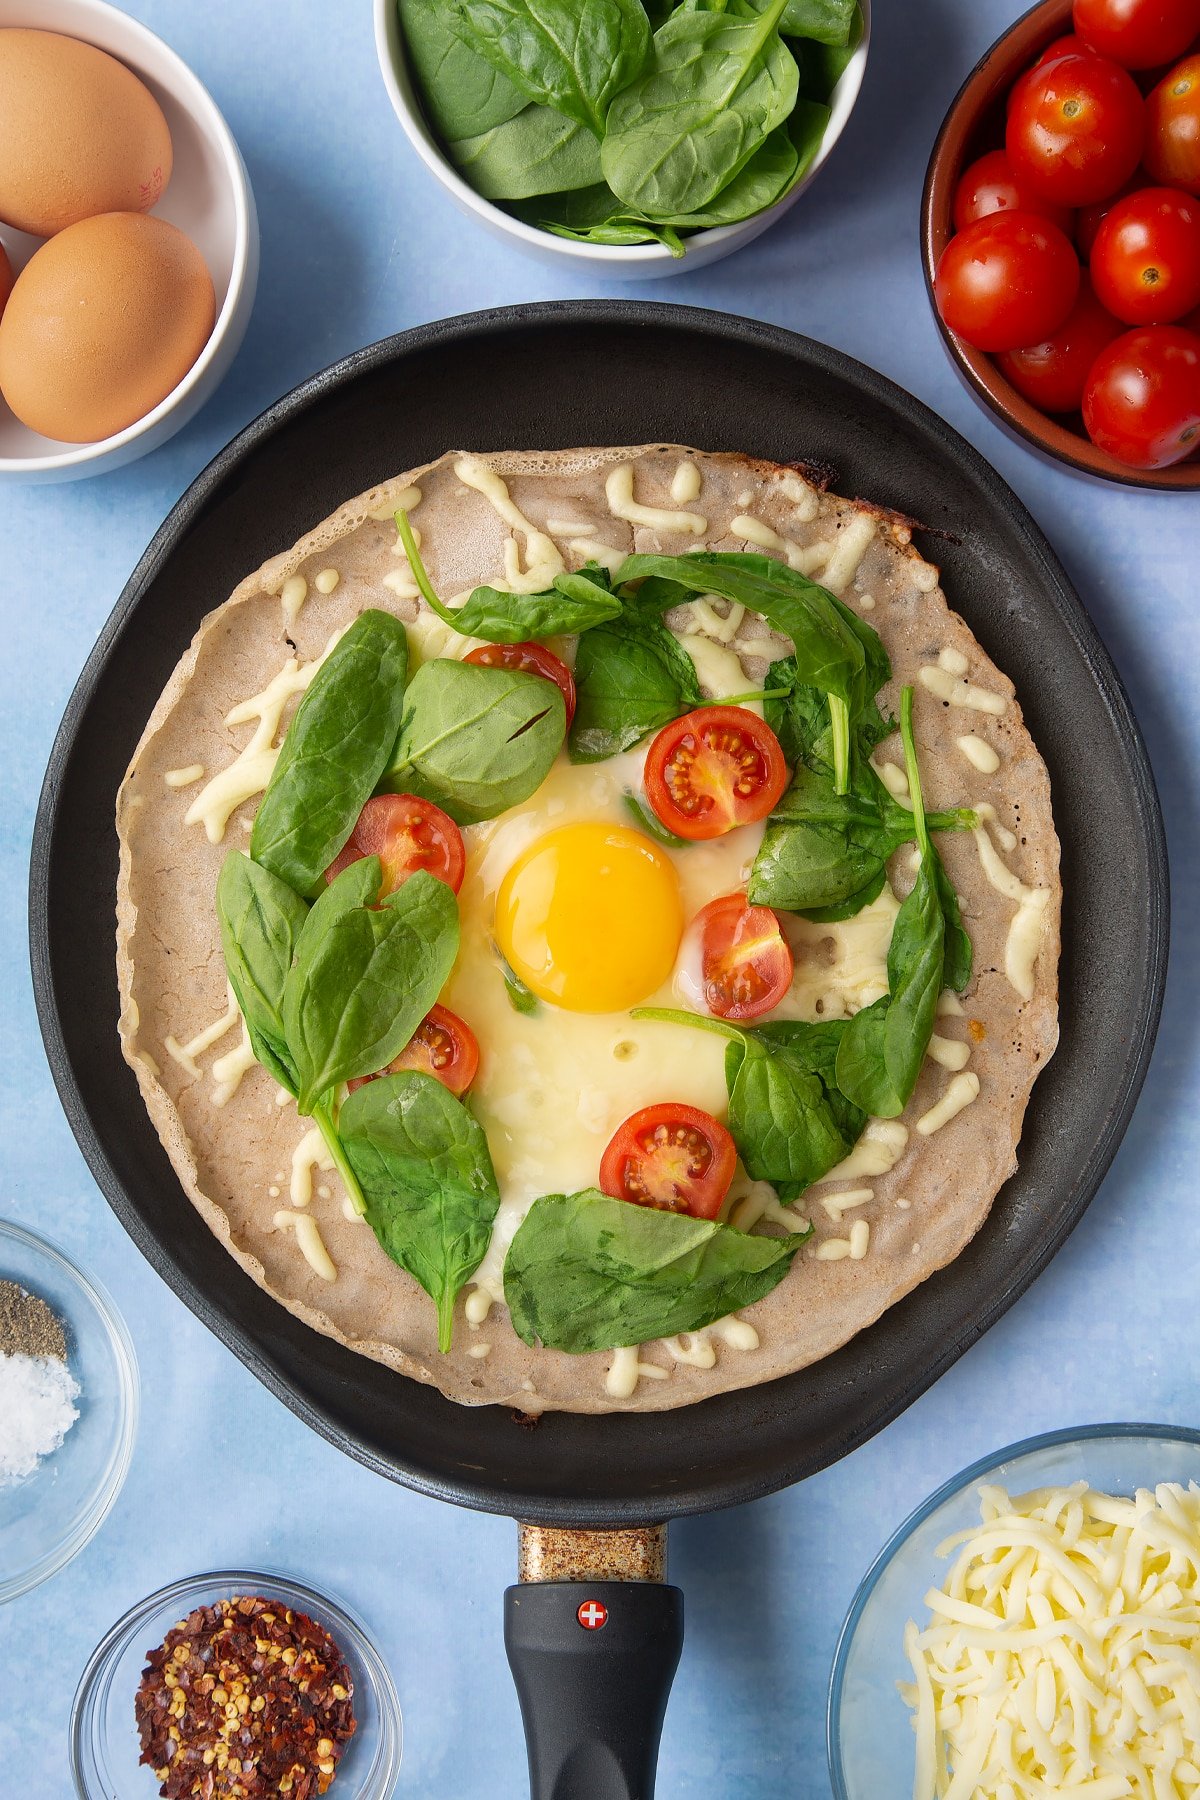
(244, 1700)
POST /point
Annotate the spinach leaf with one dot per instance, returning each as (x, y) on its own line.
(425, 1169)
(821, 66)
(959, 952)
(336, 748)
(365, 975)
(521, 998)
(787, 1116)
(585, 1272)
(715, 88)
(476, 740)
(884, 1045)
(595, 215)
(806, 127)
(766, 177)
(570, 606)
(538, 152)
(827, 21)
(631, 677)
(621, 230)
(648, 821)
(260, 919)
(571, 57)
(461, 93)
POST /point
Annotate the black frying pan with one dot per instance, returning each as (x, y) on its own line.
(552, 376)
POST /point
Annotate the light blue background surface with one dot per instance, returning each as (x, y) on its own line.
(358, 242)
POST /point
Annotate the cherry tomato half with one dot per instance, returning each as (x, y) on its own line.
(743, 958)
(989, 186)
(1146, 258)
(443, 1045)
(1007, 280)
(1173, 127)
(1139, 34)
(1075, 129)
(406, 834)
(712, 770)
(531, 659)
(672, 1157)
(1142, 401)
(1054, 374)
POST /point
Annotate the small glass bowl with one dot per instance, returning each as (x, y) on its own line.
(47, 1518)
(103, 1734)
(869, 1738)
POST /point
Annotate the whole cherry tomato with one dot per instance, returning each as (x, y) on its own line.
(1139, 34)
(1053, 374)
(1007, 280)
(532, 659)
(1173, 127)
(1088, 219)
(406, 833)
(712, 770)
(1146, 258)
(989, 186)
(1142, 401)
(672, 1157)
(443, 1045)
(1075, 129)
(744, 961)
(1060, 46)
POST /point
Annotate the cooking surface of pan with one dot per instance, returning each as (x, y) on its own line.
(553, 376)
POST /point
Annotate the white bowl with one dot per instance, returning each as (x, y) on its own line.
(619, 261)
(208, 197)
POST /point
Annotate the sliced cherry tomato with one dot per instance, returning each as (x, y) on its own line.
(1075, 129)
(1146, 258)
(531, 659)
(1173, 127)
(406, 834)
(1139, 34)
(1007, 280)
(743, 958)
(673, 1157)
(1142, 401)
(1054, 374)
(1089, 219)
(712, 770)
(989, 186)
(443, 1045)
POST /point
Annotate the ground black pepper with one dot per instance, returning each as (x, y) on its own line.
(28, 1327)
(244, 1700)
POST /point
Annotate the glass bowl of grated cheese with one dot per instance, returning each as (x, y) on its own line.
(1033, 1628)
(68, 1408)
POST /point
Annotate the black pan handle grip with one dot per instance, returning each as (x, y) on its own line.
(593, 1664)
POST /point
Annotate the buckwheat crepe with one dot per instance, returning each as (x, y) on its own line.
(922, 1186)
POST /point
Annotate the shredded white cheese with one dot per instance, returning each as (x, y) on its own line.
(978, 753)
(849, 547)
(685, 483)
(293, 594)
(543, 558)
(181, 778)
(310, 1153)
(312, 1244)
(1028, 923)
(943, 684)
(808, 558)
(1062, 1655)
(622, 505)
(960, 1092)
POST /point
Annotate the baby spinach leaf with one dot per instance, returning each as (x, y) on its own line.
(959, 951)
(538, 152)
(571, 605)
(476, 740)
(828, 21)
(648, 821)
(715, 88)
(631, 677)
(595, 215)
(767, 176)
(571, 57)
(260, 919)
(426, 1173)
(365, 975)
(585, 1272)
(806, 127)
(337, 746)
(461, 93)
(520, 998)
(821, 66)
(620, 230)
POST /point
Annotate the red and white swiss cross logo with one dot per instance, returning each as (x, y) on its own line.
(592, 1615)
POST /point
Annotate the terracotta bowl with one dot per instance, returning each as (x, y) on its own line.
(975, 123)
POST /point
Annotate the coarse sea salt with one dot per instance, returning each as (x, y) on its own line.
(37, 1409)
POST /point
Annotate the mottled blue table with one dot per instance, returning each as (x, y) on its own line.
(358, 242)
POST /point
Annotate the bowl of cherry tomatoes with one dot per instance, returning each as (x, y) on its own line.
(1061, 235)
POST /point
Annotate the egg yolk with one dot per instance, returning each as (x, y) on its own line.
(590, 917)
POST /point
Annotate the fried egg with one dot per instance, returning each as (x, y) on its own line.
(590, 913)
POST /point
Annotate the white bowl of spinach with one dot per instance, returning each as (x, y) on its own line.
(648, 136)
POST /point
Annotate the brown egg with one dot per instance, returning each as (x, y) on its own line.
(6, 278)
(79, 134)
(102, 323)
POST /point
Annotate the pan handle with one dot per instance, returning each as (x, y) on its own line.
(593, 1658)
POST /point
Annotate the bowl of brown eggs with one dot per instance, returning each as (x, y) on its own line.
(128, 240)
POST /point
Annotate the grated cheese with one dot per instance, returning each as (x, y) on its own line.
(1062, 1655)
